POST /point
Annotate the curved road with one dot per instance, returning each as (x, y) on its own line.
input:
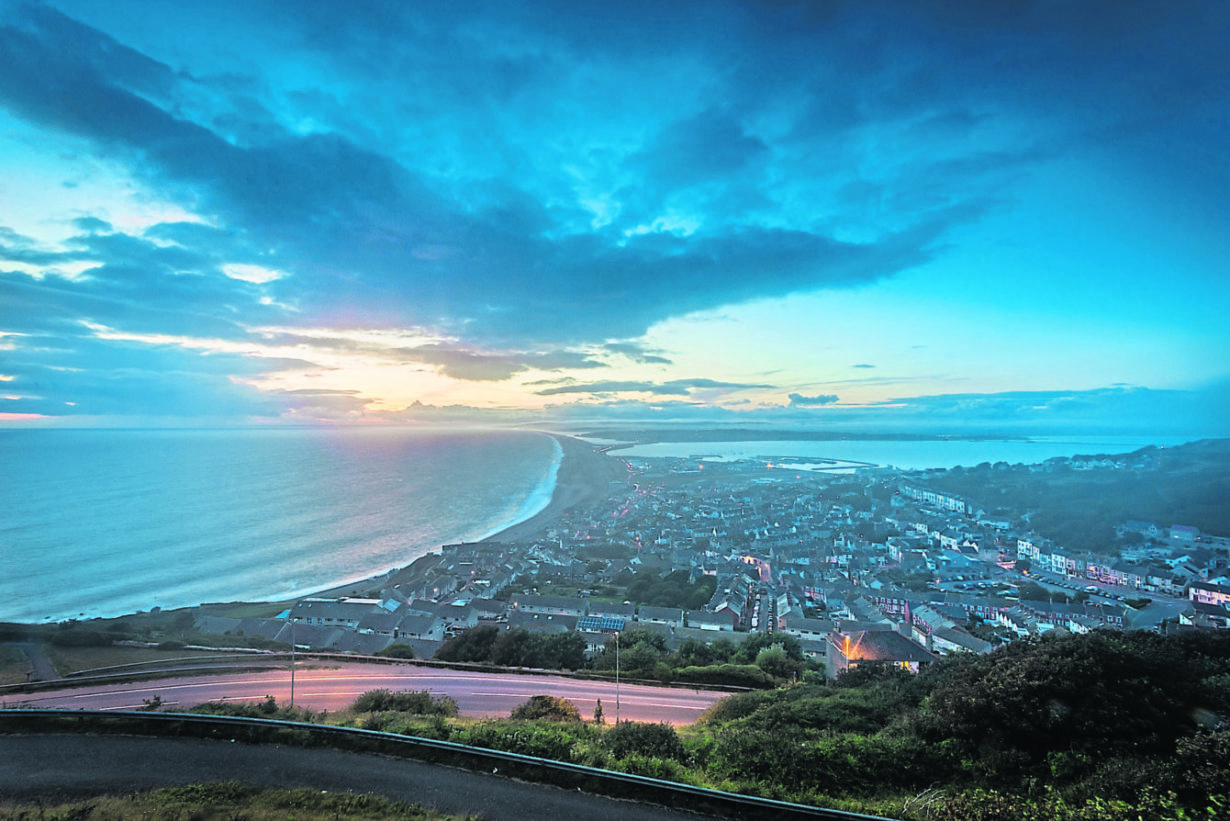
(335, 687)
(53, 768)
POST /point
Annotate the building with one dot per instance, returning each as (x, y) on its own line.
(848, 650)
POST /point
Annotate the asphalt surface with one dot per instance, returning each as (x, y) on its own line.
(54, 768)
(336, 687)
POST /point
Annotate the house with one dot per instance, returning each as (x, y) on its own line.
(344, 612)
(1209, 593)
(813, 629)
(957, 640)
(626, 612)
(541, 622)
(550, 605)
(648, 614)
(848, 650)
(723, 619)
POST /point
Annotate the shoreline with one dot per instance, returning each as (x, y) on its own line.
(584, 476)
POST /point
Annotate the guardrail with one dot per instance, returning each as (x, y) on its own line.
(514, 765)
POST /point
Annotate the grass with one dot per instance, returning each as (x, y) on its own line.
(75, 659)
(227, 801)
(13, 665)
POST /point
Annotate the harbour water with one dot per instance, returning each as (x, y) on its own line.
(106, 522)
(906, 454)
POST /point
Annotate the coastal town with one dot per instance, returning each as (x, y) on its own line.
(858, 564)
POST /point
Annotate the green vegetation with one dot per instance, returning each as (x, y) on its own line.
(13, 665)
(418, 702)
(224, 802)
(518, 647)
(398, 650)
(761, 660)
(1098, 727)
(1080, 509)
(673, 590)
(546, 708)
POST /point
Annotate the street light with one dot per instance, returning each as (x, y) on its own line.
(292, 663)
(616, 677)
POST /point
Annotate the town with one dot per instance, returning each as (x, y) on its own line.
(860, 564)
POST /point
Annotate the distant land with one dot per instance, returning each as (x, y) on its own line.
(645, 436)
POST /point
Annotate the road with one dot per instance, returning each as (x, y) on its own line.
(51, 768)
(335, 687)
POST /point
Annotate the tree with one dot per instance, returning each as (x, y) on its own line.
(546, 708)
(472, 645)
(755, 642)
(400, 650)
(774, 661)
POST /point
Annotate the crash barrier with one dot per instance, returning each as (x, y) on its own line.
(514, 765)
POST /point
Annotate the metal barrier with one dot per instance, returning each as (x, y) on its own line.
(528, 768)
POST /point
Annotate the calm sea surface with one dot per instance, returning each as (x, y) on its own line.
(106, 522)
(910, 455)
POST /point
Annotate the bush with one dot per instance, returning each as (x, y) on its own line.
(733, 675)
(649, 740)
(733, 707)
(80, 638)
(548, 708)
(418, 702)
(400, 650)
(560, 741)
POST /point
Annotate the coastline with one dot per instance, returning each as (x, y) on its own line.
(584, 477)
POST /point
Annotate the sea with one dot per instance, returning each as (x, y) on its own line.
(100, 523)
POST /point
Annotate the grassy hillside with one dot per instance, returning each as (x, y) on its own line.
(1187, 485)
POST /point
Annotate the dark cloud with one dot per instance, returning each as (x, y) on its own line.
(526, 179)
(675, 387)
(351, 221)
(800, 401)
(862, 365)
(636, 353)
(129, 283)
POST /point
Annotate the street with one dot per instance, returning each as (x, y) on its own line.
(336, 686)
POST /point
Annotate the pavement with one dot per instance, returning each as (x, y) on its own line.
(57, 768)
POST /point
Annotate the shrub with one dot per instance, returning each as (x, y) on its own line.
(735, 675)
(649, 740)
(549, 708)
(400, 650)
(418, 702)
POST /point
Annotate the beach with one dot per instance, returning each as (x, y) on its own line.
(584, 477)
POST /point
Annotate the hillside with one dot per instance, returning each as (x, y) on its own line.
(1189, 485)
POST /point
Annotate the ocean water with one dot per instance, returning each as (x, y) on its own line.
(106, 522)
(905, 454)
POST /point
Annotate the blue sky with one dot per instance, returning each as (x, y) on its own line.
(952, 216)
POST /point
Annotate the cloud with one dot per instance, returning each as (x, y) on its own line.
(525, 185)
(800, 401)
(636, 353)
(493, 260)
(674, 387)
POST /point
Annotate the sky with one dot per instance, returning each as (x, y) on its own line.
(953, 216)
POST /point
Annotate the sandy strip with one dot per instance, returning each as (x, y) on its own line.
(584, 477)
